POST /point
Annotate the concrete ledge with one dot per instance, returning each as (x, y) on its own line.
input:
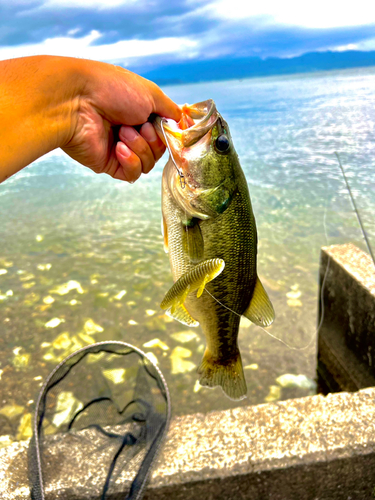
(346, 344)
(314, 448)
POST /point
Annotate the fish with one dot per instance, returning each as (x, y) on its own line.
(211, 238)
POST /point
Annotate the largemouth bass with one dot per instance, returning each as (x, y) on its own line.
(211, 238)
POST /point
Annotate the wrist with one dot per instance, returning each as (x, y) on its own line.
(60, 93)
(39, 97)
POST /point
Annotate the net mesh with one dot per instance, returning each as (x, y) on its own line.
(101, 416)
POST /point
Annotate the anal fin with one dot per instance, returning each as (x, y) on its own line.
(260, 310)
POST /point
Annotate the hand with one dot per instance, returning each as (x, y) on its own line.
(103, 139)
(87, 108)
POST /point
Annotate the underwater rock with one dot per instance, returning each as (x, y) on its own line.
(294, 303)
(3, 271)
(274, 394)
(253, 366)
(150, 312)
(66, 407)
(244, 322)
(68, 287)
(156, 343)
(24, 430)
(117, 375)
(21, 360)
(300, 381)
(201, 348)
(62, 341)
(90, 327)
(132, 322)
(31, 299)
(39, 238)
(197, 386)
(48, 300)
(27, 277)
(11, 411)
(86, 338)
(184, 336)
(54, 322)
(93, 358)
(44, 267)
(151, 356)
(29, 285)
(120, 295)
(179, 363)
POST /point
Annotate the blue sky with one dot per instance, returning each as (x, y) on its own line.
(149, 33)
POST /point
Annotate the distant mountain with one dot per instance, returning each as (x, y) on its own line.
(245, 67)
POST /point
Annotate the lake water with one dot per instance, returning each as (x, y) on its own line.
(82, 260)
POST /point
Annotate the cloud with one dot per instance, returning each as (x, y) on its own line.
(87, 4)
(119, 52)
(319, 14)
(154, 32)
(33, 21)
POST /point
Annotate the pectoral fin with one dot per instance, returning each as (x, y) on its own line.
(195, 279)
(181, 314)
(193, 241)
(260, 310)
(164, 232)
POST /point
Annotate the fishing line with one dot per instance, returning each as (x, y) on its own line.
(355, 209)
(182, 177)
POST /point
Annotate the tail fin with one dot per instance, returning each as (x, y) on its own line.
(229, 376)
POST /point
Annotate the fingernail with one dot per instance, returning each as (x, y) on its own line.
(123, 150)
(129, 134)
(148, 132)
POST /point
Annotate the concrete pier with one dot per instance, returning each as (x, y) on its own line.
(346, 342)
(313, 448)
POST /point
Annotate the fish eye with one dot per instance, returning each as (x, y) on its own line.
(222, 144)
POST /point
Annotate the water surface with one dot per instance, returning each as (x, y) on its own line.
(81, 255)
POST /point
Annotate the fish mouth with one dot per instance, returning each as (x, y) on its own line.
(197, 120)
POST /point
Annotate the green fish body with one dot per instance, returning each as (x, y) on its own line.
(211, 238)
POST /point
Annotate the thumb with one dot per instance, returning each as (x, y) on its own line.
(163, 105)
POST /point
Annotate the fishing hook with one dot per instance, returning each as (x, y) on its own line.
(182, 177)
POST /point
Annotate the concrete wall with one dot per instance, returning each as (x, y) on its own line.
(312, 448)
(346, 343)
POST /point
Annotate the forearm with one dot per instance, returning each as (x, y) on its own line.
(38, 106)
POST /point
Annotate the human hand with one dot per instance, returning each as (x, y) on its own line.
(111, 100)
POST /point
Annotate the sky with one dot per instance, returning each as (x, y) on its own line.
(151, 33)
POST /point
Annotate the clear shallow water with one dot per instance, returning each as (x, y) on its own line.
(60, 223)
